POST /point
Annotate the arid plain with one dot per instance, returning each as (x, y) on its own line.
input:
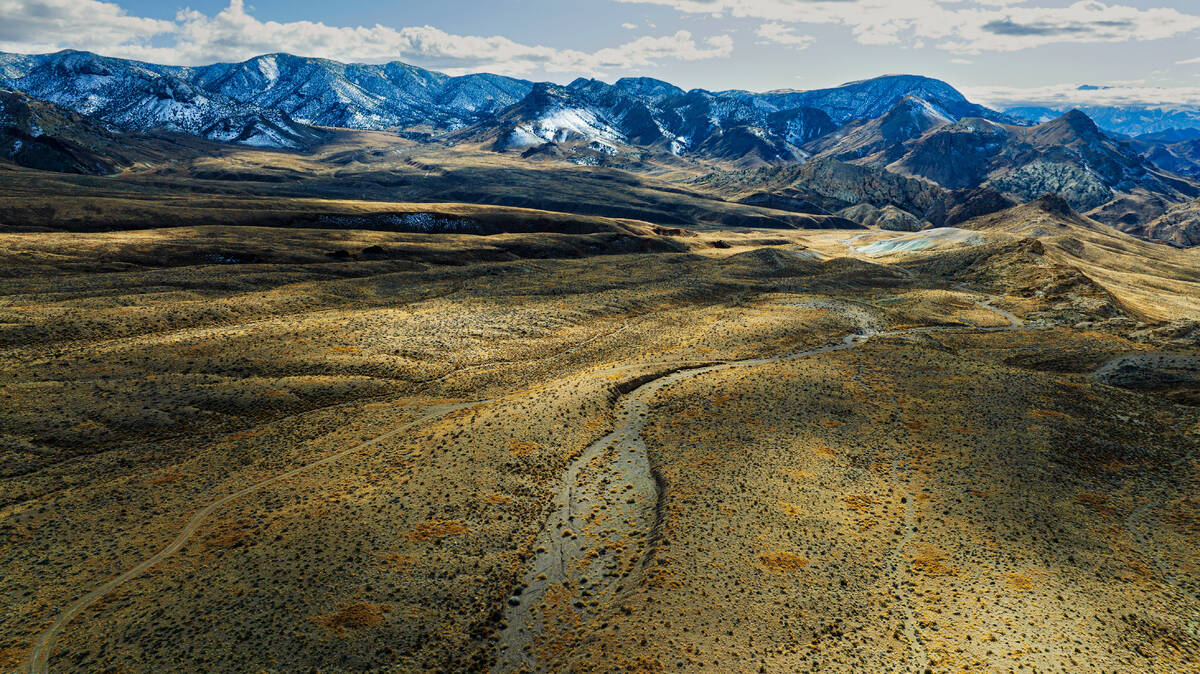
(531, 440)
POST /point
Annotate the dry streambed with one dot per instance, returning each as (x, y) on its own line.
(600, 536)
(602, 530)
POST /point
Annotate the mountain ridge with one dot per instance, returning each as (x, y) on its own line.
(284, 89)
(906, 125)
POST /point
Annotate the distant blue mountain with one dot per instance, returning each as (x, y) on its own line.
(1134, 120)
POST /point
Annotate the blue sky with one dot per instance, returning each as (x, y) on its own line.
(998, 51)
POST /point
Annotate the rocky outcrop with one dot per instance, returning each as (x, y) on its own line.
(960, 206)
(1179, 226)
(41, 135)
(1069, 156)
(889, 217)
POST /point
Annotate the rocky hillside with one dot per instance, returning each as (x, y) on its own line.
(1182, 157)
(140, 97)
(1069, 156)
(41, 135)
(869, 195)
(1179, 226)
(880, 141)
(359, 96)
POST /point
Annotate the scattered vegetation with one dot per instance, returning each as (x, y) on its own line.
(949, 496)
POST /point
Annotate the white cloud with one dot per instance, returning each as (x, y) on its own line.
(1118, 94)
(629, 26)
(41, 25)
(233, 35)
(777, 33)
(645, 51)
(958, 25)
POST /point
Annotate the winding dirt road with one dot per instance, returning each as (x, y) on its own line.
(42, 649)
(38, 662)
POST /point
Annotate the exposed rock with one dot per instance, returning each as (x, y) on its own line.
(1081, 188)
(958, 156)
(1069, 156)
(889, 217)
(962, 205)
(41, 135)
(1176, 333)
(1179, 226)
(881, 140)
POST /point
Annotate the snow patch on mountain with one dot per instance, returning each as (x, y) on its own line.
(569, 123)
(140, 97)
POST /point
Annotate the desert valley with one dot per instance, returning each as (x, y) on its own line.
(478, 374)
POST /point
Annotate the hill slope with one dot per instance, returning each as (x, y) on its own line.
(1149, 280)
(1069, 156)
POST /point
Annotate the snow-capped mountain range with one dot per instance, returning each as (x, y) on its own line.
(269, 99)
(726, 124)
(902, 124)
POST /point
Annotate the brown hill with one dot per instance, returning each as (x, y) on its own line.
(1148, 280)
(41, 135)
(1179, 226)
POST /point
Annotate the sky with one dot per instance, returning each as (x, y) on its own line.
(998, 52)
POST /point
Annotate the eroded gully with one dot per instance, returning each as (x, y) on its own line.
(602, 531)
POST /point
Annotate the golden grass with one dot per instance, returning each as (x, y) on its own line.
(144, 366)
(782, 561)
(437, 529)
(352, 618)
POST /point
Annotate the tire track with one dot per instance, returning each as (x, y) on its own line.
(39, 657)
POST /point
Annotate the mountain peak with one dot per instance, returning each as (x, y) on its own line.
(919, 85)
(648, 87)
(1076, 116)
(72, 62)
(872, 98)
(890, 76)
(915, 106)
(1078, 120)
(1071, 126)
(910, 118)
